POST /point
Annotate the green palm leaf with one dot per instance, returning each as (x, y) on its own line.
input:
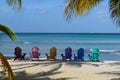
(114, 7)
(11, 34)
(4, 62)
(8, 31)
(79, 7)
(15, 3)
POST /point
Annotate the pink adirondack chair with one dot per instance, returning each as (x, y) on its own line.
(35, 54)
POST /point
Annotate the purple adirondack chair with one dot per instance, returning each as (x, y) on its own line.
(35, 54)
(68, 54)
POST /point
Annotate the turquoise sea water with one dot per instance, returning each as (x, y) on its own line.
(108, 43)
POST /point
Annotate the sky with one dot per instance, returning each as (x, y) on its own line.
(47, 16)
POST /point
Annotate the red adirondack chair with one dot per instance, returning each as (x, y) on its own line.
(18, 54)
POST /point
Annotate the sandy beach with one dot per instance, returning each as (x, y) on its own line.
(69, 70)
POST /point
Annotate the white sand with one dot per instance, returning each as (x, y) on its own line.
(59, 70)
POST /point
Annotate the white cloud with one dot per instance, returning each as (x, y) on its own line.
(103, 3)
(103, 15)
(42, 11)
(5, 9)
(40, 8)
(43, 6)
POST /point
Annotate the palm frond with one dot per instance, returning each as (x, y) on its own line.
(114, 7)
(79, 7)
(8, 31)
(15, 3)
(6, 67)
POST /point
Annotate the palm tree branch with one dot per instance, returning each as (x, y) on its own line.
(79, 7)
(114, 8)
(15, 3)
(8, 31)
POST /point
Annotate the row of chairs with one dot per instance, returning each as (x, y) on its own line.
(53, 52)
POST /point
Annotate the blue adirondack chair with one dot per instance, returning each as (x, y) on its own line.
(95, 55)
(80, 55)
(68, 54)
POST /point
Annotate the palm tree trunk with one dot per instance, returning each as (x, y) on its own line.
(6, 67)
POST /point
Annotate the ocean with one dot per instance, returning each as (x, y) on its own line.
(108, 43)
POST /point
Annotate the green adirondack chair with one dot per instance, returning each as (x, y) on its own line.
(95, 55)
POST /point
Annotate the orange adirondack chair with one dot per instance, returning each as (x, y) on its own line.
(53, 53)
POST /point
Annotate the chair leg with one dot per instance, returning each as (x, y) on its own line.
(38, 58)
(90, 57)
(55, 59)
(70, 59)
(63, 57)
(15, 58)
(82, 59)
(23, 56)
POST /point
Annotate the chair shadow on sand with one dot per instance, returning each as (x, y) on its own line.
(117, 73)
(112, 73)
(22, 75)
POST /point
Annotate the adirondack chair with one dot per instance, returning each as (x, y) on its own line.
(80, 55)
(53, 53)
(35, 54)
(68, 54)
(18, 54)
(95, 55)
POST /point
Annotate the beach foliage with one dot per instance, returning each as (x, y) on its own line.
(76, 8)
(15, 3)
(5, 65)
(80, 7)
(114, 7)
(8, 31)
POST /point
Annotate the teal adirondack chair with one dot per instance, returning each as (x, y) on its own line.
(95, 55)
